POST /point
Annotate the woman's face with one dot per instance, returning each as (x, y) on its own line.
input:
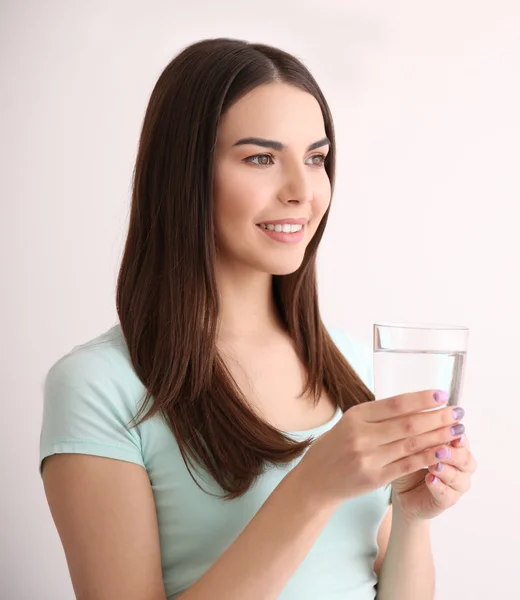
(277, 181)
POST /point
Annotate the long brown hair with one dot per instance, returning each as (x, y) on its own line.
(167, 298)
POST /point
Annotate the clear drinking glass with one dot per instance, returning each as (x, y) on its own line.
(411, 357)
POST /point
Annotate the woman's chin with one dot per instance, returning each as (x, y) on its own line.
(271, 265)
(285, 267)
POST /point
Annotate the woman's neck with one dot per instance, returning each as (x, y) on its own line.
(247, 307)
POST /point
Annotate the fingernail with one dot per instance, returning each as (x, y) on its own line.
(457, 429)
(441, 396)
(458, 413)
(439, 467)
(462, 439)
(434, 480)
(443, 453)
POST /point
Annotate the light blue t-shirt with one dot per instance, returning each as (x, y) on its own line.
(92, 393)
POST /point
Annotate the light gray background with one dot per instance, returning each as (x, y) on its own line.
(424, 226)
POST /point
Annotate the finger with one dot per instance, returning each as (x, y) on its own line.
(398, 458)
(461, 442)
(443, 495)
(410, 451)
(424, 422)
(460, 458)
(452, 477)
(403, 404)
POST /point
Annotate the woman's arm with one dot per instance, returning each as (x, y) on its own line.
(407, 571)
(105, 515)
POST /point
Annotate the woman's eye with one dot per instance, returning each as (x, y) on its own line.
(321, 161)
(261, 157)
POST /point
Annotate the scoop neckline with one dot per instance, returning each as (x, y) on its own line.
(318, 429)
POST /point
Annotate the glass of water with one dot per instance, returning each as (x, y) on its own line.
(411, 357)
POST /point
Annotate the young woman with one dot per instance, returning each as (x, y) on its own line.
(220, 442)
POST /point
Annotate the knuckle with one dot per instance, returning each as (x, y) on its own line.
(410, 426)
(355, 412)
(407, 466)
(357, 445)
(397, 404)
(351, 412)
(411, 445)
(365, 469)
(361, 462)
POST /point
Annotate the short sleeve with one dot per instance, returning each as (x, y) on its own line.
(86, 410)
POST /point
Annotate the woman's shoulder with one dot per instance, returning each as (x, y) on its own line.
(90, 397)
(100, 366)
(108, 347)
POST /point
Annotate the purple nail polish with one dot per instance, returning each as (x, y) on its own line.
(439, 467)
(443, 453)
(458, 413)
(441, 396)
(457, 429)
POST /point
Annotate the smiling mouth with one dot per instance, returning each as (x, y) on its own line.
(284, 233)
(282, 227)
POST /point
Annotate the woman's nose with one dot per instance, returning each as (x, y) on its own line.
(297, 189)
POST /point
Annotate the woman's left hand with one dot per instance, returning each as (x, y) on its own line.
(426, 494)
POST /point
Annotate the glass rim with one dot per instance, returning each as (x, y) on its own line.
(431, 326)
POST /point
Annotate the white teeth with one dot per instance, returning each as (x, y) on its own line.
(285, 227)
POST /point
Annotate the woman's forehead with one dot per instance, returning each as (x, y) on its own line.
(273, 111)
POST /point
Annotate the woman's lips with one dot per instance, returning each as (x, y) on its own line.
(282, 236)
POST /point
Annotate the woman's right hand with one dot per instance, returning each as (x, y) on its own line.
(377, 442)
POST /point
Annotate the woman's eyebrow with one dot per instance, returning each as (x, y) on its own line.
(255, 141)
